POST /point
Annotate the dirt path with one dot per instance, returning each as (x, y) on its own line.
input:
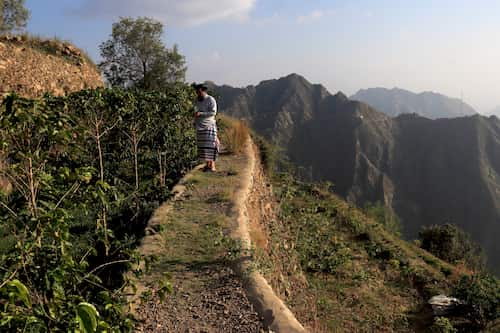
(193, 245)
(207, 299)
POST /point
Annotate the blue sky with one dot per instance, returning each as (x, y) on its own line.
(451, 47)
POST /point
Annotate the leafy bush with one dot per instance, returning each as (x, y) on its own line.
(315, 235)
(481, 295)
(442, 325)
(450, 243)
(87, 170)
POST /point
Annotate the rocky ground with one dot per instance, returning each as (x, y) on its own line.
(217, 303)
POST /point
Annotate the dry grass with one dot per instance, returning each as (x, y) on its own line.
(233, 134)
(5, 185)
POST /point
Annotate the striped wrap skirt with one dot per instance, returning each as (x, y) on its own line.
(208, 143)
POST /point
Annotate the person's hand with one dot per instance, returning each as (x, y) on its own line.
(197, 114)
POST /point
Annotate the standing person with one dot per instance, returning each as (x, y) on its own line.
(206, 127)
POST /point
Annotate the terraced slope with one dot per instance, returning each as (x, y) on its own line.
(338, 270)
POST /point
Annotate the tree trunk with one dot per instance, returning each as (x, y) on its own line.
(32, 187)
(145, 74)
(136, 164)
(101, 170)
(99, 150)
(161, 176)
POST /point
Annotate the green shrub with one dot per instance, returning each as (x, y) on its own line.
(450, 243)
(87, 170)
(442, 325)
(481, 295)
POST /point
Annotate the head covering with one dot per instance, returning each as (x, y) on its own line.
(201, 86)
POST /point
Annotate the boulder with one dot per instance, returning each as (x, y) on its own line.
(443, 305)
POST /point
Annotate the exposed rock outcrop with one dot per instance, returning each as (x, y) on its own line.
(32, 67)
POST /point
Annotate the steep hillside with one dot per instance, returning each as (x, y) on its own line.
(428, 171)
(341, 271)
(32, 67)
(394, 102)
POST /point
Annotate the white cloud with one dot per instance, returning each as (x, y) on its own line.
(176, 12)
(310, 17)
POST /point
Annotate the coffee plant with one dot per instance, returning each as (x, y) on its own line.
(86, 170)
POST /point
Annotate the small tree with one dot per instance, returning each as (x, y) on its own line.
(450, 243)
(481, 294)
(13, 15)
(135, 56)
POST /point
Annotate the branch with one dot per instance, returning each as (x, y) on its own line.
(8, 279)
(105, 265)
(73, 189)
(18, 182)
(109, 129)
(7, 207)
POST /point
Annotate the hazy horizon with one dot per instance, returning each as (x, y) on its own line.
(448, 47)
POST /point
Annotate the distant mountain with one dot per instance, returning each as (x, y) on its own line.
(276, 108)
(394, 102)
(429, 171)
(495, 112)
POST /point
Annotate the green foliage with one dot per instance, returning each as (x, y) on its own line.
(135, 56)
(481, 294)
(450, 243)
(17, 291)
(13, 15)
(86, 315)
(442, 325)
(87, 171)
(319, 247)
(269, 155)
(384, 215)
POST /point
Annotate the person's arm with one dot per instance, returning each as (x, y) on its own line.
(212, 109)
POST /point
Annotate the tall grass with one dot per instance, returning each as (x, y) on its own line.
(233, 134)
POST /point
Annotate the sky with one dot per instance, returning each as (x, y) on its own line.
(450, 47)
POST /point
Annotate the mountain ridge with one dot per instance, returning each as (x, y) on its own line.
(398, 101)
(429, 171)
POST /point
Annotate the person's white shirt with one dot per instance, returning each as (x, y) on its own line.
(207, 109)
